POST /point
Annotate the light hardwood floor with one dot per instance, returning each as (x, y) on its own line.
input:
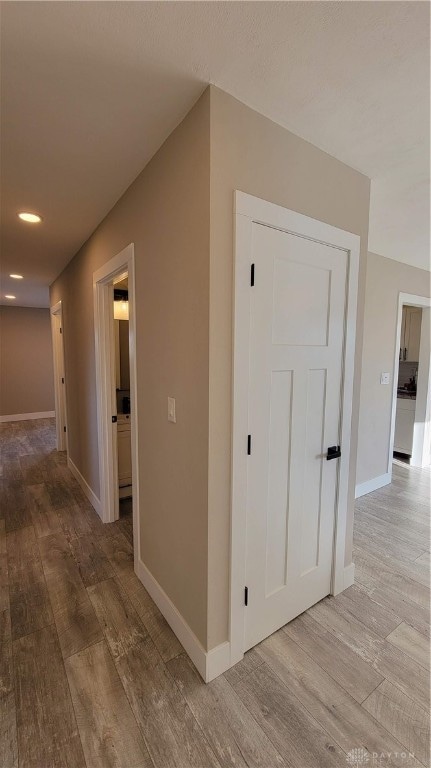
(92, 676)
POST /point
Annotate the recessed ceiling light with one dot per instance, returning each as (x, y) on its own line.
(31, 218)
(16, 277)
(9, 296)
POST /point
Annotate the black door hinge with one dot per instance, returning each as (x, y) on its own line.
(334, 452)
(114, 419)
(61, 330)
(248, 445)
(64, 429)
(245, 595)
(62, 379)
(252, 275)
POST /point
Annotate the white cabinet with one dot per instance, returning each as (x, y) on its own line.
(124, 456)
(410, 333)
(404, 425)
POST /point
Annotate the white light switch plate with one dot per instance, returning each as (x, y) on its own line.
(171, 410)
(385, 378)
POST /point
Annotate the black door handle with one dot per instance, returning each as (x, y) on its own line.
(334, 452)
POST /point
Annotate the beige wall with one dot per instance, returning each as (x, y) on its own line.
(254, 155)
(26, 365)
(386, 278)
(166, 214)
(184, 320)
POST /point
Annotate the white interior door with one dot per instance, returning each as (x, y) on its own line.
(297, 322)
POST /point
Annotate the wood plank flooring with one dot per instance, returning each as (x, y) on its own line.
(92, 676)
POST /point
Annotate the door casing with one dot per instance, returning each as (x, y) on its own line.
(421, 452)
(249, 210)
(56, 312)
(105, 378)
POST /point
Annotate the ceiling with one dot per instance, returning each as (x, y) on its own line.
(90, 90)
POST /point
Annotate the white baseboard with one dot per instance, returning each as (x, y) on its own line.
(185, 635)
(91, 496)
(372, 485)
(27, 416)
(209, 664)
(349, 575)
(218, 661)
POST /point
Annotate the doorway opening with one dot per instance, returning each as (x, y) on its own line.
(407, 382)
(59, 376)
(115, 337)
(122, 390)
(410, 439)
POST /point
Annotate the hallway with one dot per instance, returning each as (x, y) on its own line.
(91, 676)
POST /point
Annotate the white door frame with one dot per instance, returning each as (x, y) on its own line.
(56, 312)
(249, 210)
(421, 433)
(105, 377)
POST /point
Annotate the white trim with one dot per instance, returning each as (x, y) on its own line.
(209, 664)
(56, 311)
(249, 210)
(91, 496)
(372, 485)
(105, 361)
(218, 660)
(105, 389)
(421, 449)
(349, 575)
(424, 370)
(27, 416)
(185, 635)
